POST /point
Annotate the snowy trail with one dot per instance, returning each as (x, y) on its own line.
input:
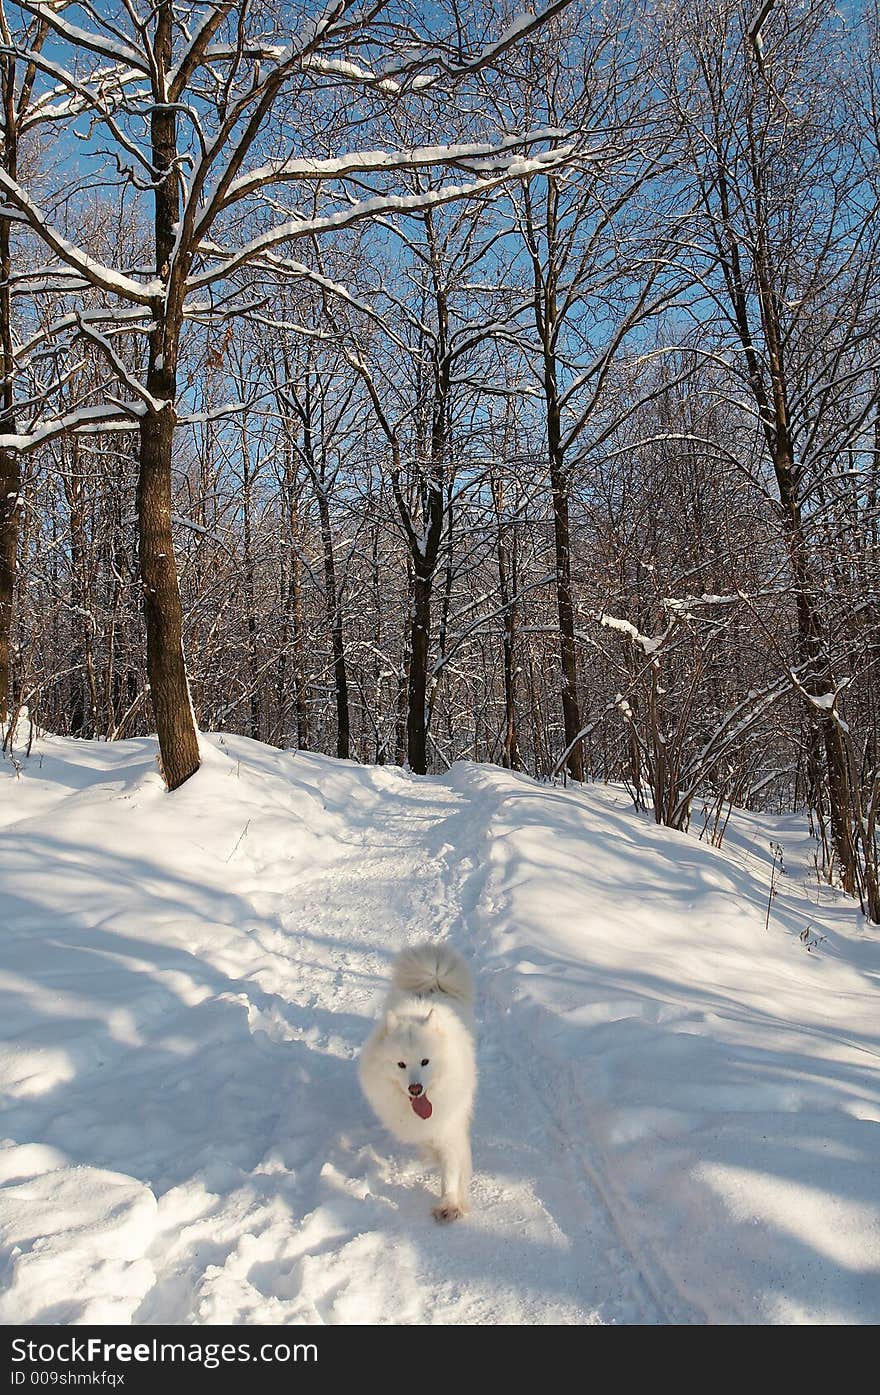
(407, 876)
(678, 1107)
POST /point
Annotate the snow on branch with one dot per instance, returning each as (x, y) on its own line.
(101, 341)
(300, 227)
(111, 416)
(113, 49)
(226, 409)
(824, 703)
(518, 29)
(79, 97)
(755, 26)
(648, 644)
(95, 272)
(351, 72)
(113, 318)
(481, 158)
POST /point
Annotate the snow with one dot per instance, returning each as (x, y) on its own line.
(95, 272)
(300, 227)
(338, 67)
(647, 643)
(518, 28)
(113, 416)
(678, 1108)
(93, 40)
(377, 161)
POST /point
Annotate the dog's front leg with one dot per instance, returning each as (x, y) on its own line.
(455, 1177)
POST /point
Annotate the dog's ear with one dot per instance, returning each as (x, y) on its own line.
(390, 1023)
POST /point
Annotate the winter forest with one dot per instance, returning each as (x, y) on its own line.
(412, 382)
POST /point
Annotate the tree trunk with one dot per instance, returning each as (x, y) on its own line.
(84, 709)
(510, 757)
(416, 722)
(433, 684)
(403, 675)
(254, 679)
(818, 679)
(382, 738)
(334, 624)
(294, 611)
(547, 325)
(163, 614)
(571, 713)
(10, 489)
(10, 469)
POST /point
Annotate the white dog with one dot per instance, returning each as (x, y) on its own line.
(418, 1069)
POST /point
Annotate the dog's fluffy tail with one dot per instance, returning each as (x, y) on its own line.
(429, 968)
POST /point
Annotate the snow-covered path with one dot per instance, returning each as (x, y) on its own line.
(677, 1114)
(366, 1249)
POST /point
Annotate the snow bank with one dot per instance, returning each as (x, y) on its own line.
(726, 1075)
(678, 1109)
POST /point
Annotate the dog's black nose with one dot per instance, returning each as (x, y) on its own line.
(415, 1089)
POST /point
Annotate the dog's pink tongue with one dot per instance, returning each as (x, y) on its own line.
(423, 1107)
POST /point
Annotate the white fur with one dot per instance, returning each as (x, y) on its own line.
(428, 1016)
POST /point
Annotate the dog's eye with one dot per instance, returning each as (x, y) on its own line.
(425, 1062)
(402, 1065)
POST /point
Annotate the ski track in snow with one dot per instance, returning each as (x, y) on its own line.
(185, 1140)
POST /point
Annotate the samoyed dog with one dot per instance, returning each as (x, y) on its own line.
(418, 1068)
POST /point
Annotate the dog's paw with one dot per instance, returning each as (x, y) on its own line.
(446, 1212)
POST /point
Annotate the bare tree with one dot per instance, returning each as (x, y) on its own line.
(790, 238)
(20, 115)
(193, 101)
(596, 262)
